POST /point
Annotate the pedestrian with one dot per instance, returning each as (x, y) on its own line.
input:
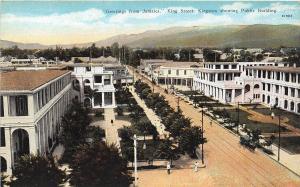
(210, 123)
(196, 166)
(168, 168)
(111, 121)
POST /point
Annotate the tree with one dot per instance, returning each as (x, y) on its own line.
(98, 164)
(37, 171)
(74, 124)
(189, 140)
(166, 149)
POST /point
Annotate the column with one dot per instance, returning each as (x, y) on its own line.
(113, 99)
(9, 161)
(5, 105)
(32, 140)
(102, 99)
(232, 95)
(30, 105)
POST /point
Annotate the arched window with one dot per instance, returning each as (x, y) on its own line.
(20, 143)
(256, 86)
(247, 88)
(268, 99)
(292, 107)
(285, 104)
(3, 164)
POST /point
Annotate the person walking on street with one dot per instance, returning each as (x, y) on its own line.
(168, 168)
(196, 166)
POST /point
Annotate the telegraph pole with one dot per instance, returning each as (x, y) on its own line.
(135, 159)
(238, 118)
(202, 151)
(278, 138)
(178, 104)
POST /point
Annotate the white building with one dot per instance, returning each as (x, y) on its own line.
(93, 86)
(280, 86)
(228, 82)
(148, 65)
(31, 106)
(175, 74)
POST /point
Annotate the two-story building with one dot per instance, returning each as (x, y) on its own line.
(175, 74)
(32, 103)
(93, 86)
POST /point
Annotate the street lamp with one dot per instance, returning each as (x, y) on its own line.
(135, 159)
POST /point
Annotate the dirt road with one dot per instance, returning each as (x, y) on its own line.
(227, 163)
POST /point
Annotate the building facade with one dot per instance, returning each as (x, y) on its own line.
(93, 86)
(228, 82)
(280, 86)
(32, 104)
(178, 75)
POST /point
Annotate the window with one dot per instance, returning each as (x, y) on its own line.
(277, 88)
(293, 75)
(218, 67)
(169, 71)
(225, 67)
(177, 72)
(2, 132)
(278, 76)
(88, 68)
(18, 105)
(293, 92)
(264, 86)
(286, 91)
(287, 77)
(184, 72)
(233, 66)
(98, 78)
(1, 107)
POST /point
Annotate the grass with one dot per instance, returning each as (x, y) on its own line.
(293, 118)
(263, 127)
(292, 143)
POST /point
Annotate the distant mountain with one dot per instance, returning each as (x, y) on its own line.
(7, 44)
(252, 36)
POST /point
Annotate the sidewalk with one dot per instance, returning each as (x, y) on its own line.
(150, 114)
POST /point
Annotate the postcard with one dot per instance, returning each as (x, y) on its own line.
(149, 93)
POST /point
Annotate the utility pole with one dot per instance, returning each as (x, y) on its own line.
(202, 150)
(278, 138)
(238, 118)
(178, 104)
(135, 159)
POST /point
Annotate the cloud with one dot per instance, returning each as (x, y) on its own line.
(80, 18)
(236, 6)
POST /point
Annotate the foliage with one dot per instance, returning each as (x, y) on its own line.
(36, 171)
(166, 149)
(189, 140)
(98, 113)
(74, 124)
(98, 164)
(119, 111)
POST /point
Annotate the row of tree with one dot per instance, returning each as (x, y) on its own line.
(186, 137)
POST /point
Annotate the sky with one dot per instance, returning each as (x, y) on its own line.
(67, 22)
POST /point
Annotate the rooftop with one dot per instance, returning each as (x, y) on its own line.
(27, 80)
(276, 68)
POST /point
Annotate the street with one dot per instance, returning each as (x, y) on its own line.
(227, 162)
